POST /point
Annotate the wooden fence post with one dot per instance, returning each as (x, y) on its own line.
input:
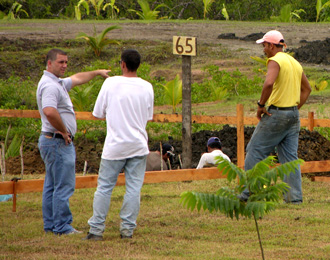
(240, 135)
(310, 121)
(14, 180)
(186, 112)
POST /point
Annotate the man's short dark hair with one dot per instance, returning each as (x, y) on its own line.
(216, 145)
(132, 58)
(52, 54)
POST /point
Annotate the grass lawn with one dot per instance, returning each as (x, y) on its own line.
(166, 230)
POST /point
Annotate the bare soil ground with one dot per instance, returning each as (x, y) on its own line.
(206, 33)
(312, 145)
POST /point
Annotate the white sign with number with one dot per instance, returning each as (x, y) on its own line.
(184, 45)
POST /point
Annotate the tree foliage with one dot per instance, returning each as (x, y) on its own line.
(243, 10)
(146, 12)
(262, 182)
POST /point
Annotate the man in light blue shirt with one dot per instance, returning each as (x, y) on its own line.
(55, 142)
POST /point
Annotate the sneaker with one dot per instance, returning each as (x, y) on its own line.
(93, 237)
(73, 232)
(125, 237)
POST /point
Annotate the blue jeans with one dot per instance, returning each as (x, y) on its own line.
(134, 169)
(280, 131)
(59, 183)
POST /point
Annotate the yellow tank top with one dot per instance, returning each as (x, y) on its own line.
(287, 86)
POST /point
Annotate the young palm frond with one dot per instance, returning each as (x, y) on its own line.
(98, 42)
(81, 98)
(173, 92)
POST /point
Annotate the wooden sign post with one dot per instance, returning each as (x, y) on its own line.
(187, 47)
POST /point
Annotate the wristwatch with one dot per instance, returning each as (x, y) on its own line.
(259, 105)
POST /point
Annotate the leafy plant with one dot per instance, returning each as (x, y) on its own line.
(318, 86)
(98, 42)
(262, 182)
(147, 13)
(207, 6)
(224, 12)
(96, 4)
(13, 148)
(77, 11)
(22, 98)
(81, 98)
(286, 15)
(173, 92)
(235, 82)
(219, 92)
(114, 8)
(15, 11)
(320, 7)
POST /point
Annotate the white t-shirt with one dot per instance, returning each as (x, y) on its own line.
(209, 158)
(127, 104)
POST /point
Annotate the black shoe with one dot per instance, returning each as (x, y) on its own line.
(93, 237)
(126, 237)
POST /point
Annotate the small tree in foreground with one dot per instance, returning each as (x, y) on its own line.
(262, 182)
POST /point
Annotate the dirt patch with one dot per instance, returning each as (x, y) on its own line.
(317, 52)
(312, 147)
(206, 33)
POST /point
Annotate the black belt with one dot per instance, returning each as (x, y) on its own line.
(283, 108)
(55, 135)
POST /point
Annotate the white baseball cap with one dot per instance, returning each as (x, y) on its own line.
(274, 37)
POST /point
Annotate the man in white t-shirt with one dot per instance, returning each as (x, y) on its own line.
(127, 104)
(214, 150)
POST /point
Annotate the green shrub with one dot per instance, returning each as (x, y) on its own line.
(224, 84)
(17, 94)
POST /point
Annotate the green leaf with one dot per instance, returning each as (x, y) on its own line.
(98, 42)
(173, 92)
(230, 169)
(13, 148)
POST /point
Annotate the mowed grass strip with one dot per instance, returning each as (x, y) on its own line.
(166, 230)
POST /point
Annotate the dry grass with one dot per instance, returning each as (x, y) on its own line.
(168, 231)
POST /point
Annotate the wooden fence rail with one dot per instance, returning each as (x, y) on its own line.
(309, 122)
(23, 186)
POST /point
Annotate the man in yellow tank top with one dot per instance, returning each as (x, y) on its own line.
(285, 90)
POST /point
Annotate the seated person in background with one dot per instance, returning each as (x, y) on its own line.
(214, 150)
(154, 159)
